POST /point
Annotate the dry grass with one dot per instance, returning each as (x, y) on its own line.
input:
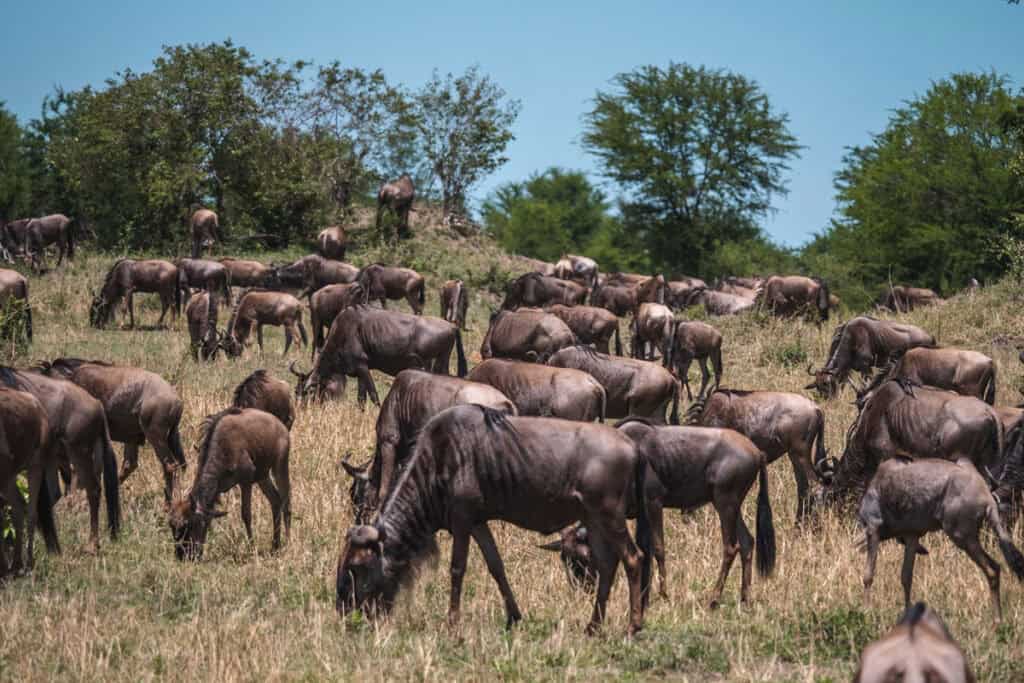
(134, 613)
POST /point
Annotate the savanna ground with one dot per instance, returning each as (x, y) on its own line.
(244, 613)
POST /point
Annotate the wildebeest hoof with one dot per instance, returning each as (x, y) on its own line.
(593, 628)
(713, 604)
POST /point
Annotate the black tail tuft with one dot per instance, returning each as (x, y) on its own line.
(71, 239)
(765, 527)
(174, 441)
(111, 488)
(618, 340)
(423, 294)
(644, 537)
(674, 418)
(990, 391)
(460, 353)
(47, 520)
(819, 440)
(1014, 558)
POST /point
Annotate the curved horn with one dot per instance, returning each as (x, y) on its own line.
(354, 471)
(810, 369)
(554, 546)
(291, 368)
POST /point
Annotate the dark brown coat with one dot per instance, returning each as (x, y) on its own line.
(590, 325)
(14, 286)
(248, 273)
(204, 229)
(212, 276)
(544, 391)
(534, 290)
(397, 196)
(455, 302)
(389, 282)
(128, 276)
(694, 340)
(263, 391)
(528, 334)
(42, 232)
(202, 312)
(326, 303)
(258, 307)
(918, 649)
(332, 243)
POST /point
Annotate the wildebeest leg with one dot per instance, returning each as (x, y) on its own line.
(87, 477)
(871, 540)
(284, 488)
(259, 338)
(606, 564)
(728, 512)
(460, 552)
(705, 375)
(655, 513)
(131, 459)
(130, 301)
(800, 461)
(18, 519)
(247, 509)
(287, 339)
(274, 498)
(907, 574)
(988, 566)
(489, 549)
(413, 303)
(367, 385)
(157, 435)
(684, 374)
(165, 305)
(746, 542)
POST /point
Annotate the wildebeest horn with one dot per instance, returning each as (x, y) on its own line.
(291, 368)
(354, 471)
(810, 369)
(554, 546)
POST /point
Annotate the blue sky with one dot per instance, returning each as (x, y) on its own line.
(837, 69)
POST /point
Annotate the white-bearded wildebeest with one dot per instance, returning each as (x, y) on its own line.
(211, 276)
(77, 437)
(908, 498)
(326, 303)
(903, 299)
(718, 303)
(128, 276)
(652, 329)
(860, 345)
(390, 282)
(204, 229)
(788, 295)
(968, 373)
(677, 291)
(543, 391)
(918, 649)
(687, 468)
(528, 334)
(12, 238)
(201, 313)
(778, 423)
(534, 290)
(364, 338)
(632, 387)
(239, 447)
(259, 307)
(579, 269)
(415, 397)
(332, 243)
(694, 340)
(590, 324)
(14, 287)
(42, 232)
(263, 391)
(454, 302)
(473, 465)
(623, 298)
(313, 272)
(140, 406)
(397, 196)
(248, 274)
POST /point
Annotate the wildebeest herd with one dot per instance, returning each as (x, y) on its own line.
(520, 437)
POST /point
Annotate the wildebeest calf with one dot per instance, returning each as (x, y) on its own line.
(918, 649)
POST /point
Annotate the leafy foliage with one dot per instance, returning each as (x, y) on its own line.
(14, 187)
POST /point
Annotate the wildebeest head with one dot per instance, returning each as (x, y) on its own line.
(574, 549)
(313, 385)
(825, 382)
(362, 582)
(361, 491)
(189, 526)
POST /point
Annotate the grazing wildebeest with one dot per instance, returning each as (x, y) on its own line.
(632, 387)
(528, 334)
(786, 295)
(78, 438)
(543, 391)
(332, 243)
(902, 299)
(694, 340)
(652, 329)
(918, 649)
(140, 406)
(623, 299)
(579, 269)
(415, 397)
(12, 238)
(201, 312)
(688, 467)
(677, 291)
(128, 276)
(534, 290)
(239, 447)
(590, 324)
(397, 196)
(327, 302)
(454, 302)
(718, 303)
(861, 344)
(42, 232)
(259, 307)
(472, 465)
(313, 272)
(247, 274)
(211, 276)
(908, 498)
(390, 282)
(14, 286)
(778, 423)
(968, 373)
(204, 229)
(364, 338)
(263, 391)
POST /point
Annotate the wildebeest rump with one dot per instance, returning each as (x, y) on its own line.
(695, 340)
(590, 325)
(540, 390)
(204, 229)
(42, 232)
(213, 276)
(263, 391)
(389, 282)
(455, 302)
(332, 243)
(128, 276)
(14, 286)
(397, 196)
(534, 290)
(326, 303)
(968, 373)
(528, 334)
(652, 329)
(258, 307)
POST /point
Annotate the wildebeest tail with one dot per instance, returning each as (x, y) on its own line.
(644, 538)
(71, 238)
(177, 295)
(46, 518)
(460, 353)
(28, 320)
(604, 405)
(990, 389)
(174, 442)
(716, 364)
(819, 439)
(302, 328)
(765, 526)
(111, 487)
(674, 417)
(422, 296)
(227, 286)
(670, 343)
(618, 340)
(1014, 558)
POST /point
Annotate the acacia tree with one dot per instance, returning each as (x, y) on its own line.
(699, 154)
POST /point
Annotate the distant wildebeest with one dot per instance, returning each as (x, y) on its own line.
(902, 299)
(968, 373)
(248, 274)
(632, 387)
(12, 238)
(259, 307)
(14, 287)
(787, 295)
(860, 345)
(534, 290)
(204, 229)
(906, 499)
(652, 329)
(40, 233)
(590, 324)
(693, 340)
(327, 302)
(687, 468)
(397, 196)
(537, 474)
(263, 391)
(201, 312)
(128, 276)
(313, 272)
(738, 290)
(718, 303)
(918, 649)
(752, 282)
(239, 447)
(390, 282)
(527, 334)
(624, 298)
(620, 278)
(415, 397)
(332, 243)
(778, 423)
(543, 391)
(678, 290)
(579, 269)
(454, 302)
(364, 338)
(140, 406)
(211, 276)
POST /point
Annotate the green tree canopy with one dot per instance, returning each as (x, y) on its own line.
(14, 186)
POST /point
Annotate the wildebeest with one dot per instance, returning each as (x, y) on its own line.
(204, 229)
(590, 324)
(364, 338)
(902, 299)
(140, 406)
(908, 498)
(693, 340)
(778, 423)
(390, 282)
(718, 303)
(397, 196)
(472, 465)
(624, 298)
(652, 329)
(918, 649)
(786, 295)
(247, 274)
(332, 243)
(212, 276)
(313, 272)
(632, 387)
(259, 307)
(42, 232)
(540, 390)
(263, 391)
(454, 302)
(727, 287)
(677, 291)
(862, 344)
(239, 447)
(326, 303)
(415, 397)
(201, 312)
(750, 282)
(534, 290)
(128, 276)
(12, 238)
(968, 373)
(579, 269)
(14, 287)
(527, 334)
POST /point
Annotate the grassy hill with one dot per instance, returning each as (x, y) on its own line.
(243, 613)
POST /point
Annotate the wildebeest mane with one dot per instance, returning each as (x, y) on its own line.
(249, 391)
(208, 428)
(68, 366)
(9, 377)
